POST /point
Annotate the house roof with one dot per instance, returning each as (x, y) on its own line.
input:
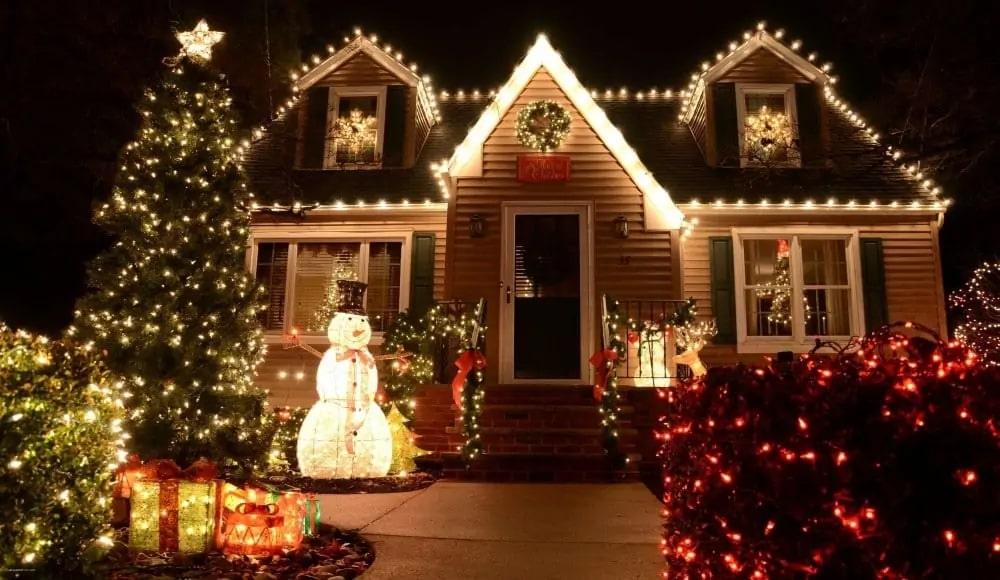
(648, 136)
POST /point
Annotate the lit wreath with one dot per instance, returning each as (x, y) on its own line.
(542, 125)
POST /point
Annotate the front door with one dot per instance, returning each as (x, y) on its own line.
(545, 293)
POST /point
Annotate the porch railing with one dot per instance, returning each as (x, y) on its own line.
(649, 346)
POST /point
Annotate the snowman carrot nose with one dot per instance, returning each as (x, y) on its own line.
(358, 332)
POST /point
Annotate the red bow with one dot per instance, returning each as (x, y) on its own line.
(354, 354)
(465, 363)
(599, 360)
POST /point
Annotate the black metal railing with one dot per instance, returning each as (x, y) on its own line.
(649, 346)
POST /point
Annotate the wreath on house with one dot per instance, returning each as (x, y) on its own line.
(542, 125)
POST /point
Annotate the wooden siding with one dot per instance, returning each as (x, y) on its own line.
(291, 391)
(914, 288)
(763, 66)
(699, 124)
(360, 70)
(637, 267)
(423, 123)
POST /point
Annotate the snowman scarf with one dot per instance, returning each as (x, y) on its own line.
(358, 357)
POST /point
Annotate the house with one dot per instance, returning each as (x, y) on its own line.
(753, 188)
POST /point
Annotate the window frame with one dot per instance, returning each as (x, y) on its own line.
(798, 341)
(275, 336)
(333, 113)
(787, 90)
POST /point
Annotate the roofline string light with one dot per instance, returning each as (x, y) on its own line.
(424, 83)
(542, 55)
(697, 85)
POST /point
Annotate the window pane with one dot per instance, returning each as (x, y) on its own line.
(767, 129)
(775, 102)
(272, 268)
(768, 296)
(384, 270)
(355, 131)
(827, 312)
(824, 262)
(318, 267)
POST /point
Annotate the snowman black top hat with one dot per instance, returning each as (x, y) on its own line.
(351, 296)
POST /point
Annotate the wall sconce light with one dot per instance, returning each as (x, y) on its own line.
(477, 225)
(621, 226)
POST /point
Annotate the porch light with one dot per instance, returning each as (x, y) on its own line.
(477, 225)
(621, 226)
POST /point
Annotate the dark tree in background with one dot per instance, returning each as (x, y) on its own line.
(173, 309)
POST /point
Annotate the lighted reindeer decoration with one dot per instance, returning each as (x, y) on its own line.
(692, 337)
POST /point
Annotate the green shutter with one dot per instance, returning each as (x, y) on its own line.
(395, 126)
(720, 253)
(807, 109)
(873, 283)
(422, 273)
(314, 133)
(727, 136)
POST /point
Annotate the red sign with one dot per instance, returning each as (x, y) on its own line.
(543, 168)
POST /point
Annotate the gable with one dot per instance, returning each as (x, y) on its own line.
(360, 70)
(763, 66)
(660, 213)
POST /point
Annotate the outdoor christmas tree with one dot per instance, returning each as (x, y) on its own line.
(173, 309)
(977, 306)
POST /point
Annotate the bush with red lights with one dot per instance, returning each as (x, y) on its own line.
(881, 461)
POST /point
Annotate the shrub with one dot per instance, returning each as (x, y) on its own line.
(60, 444)
(882, 462)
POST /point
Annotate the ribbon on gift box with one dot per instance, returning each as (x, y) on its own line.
(310, 517)
(468, 360)
(602, 361)
(171, 509)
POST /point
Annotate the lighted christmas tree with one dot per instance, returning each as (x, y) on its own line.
(404, 446)
(327, 308)
(977, 309)
(173, 309)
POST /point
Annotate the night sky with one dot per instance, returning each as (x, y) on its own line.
(71, 72)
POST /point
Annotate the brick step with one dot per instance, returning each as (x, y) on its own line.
(593, 467)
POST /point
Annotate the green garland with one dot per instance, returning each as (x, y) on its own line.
(420, 338)
(542, 125)
(610, 401)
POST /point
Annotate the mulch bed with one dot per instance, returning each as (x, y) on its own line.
(333, 555)
(390, 484)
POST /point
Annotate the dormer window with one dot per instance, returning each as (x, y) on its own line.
(767, 122)
(356, 126)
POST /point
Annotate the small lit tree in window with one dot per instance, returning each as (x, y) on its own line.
(324, 312)
(768, 137)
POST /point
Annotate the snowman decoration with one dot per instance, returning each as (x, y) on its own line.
(346, 434)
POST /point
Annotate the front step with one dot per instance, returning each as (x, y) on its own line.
(529, 433)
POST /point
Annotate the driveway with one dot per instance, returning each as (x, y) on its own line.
(485, 531)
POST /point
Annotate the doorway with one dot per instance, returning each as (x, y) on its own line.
(545, 293)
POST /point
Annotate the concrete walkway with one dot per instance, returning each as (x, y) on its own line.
(485, 531)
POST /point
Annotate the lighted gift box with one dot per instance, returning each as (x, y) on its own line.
(172, 516)
(258, 521)
(172, 510)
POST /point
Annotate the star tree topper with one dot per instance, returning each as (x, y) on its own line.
(198, 42)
